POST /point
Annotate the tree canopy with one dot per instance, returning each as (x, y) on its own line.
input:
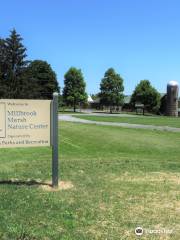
(74, 88)
(42, 79)
(12, 64)
(111, 89)
(20, 78)
(146, 94)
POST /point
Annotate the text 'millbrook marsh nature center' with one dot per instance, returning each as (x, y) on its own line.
(24, 123)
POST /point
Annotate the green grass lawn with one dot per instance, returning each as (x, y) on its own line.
(123, 178)
(157, 121)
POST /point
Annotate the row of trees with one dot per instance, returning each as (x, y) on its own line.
(20, 78)
(111, 91)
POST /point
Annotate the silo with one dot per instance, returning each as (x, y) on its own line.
(172, 99)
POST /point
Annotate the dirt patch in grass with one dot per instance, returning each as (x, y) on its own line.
(102, 207)
(63, 185)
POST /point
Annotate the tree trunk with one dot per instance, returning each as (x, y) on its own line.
(74, 105)
(111, 110)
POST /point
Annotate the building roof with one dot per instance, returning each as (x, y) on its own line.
(90, 100)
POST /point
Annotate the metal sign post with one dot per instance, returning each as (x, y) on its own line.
(55, 140)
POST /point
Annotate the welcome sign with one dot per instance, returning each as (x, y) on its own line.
(25, 123)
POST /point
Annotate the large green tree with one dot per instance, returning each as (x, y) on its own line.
(145, 94)
(74, 88)
(111, 89)
(42, 80)
(20, 78)
(15, 64)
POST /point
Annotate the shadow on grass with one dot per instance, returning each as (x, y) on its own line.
(22, 183)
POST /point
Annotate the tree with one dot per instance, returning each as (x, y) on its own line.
(42, 80)
(145, 94)
(15, 55)
(20, 78)
(3, 68)
(95, 96)
(111, 89)
(74, 88)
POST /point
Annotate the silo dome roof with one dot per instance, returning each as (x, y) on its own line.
(173, 83)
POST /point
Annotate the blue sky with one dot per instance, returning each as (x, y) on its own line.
(140, 39)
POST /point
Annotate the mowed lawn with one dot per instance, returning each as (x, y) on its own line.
(122, 178)
(147, 120)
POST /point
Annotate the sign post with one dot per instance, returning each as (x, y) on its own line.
(55, 140)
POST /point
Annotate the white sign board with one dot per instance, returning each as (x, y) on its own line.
(24, 123)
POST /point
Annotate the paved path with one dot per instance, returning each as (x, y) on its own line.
(70, 118)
